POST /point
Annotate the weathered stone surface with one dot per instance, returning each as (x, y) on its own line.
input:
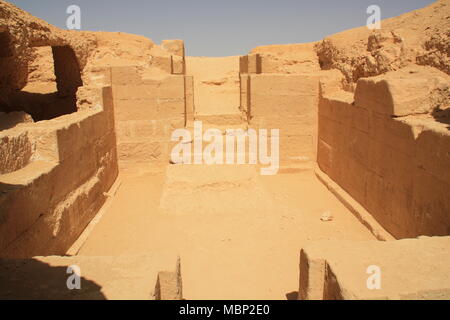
(74, 105)
(59, 188)
(410, 269)
(175, 47)
(131, 277)
(413, 90)
(384, 162)
(419, 37)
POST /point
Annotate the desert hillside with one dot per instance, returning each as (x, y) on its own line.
(419, 37)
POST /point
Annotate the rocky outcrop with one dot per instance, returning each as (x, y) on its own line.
(417, 37)
(25, 57)
(20, 32)
(288, 59)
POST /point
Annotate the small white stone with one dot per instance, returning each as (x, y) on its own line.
(326, 216)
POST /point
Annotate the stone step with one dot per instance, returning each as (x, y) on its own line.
(234, 119)
(213, 190)
(223, 127)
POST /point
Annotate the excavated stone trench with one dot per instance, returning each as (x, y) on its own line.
(87, 180)
(238, 233)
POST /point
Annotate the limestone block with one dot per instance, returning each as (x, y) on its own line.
(123, 129)
(250, 64)
(108, 106)
(392, 165)
(163, 63)
(156, 129)
(410, 91)
(360, 119)
(283, 94)
(325, 156)
(75, 135)
(61, 192)
(105, 145)
(15, 151)
(17, 200)
(189, 87)
(134, 92)
(177, 65)
(342, 111)
(350, 175)
(100, 77)
(423, 273)
(171, 87)
(358, 145)
(171, 108)
(390, 205)
(378, 195)
(245, 92)
(125, 76)
(143, 150)
(243, 65)
(312, 277)
(392, 132)
(342, 135)
(140, 129)
(433, 153)
(100, 125)
(303, 124)
(136, 109)
(270, 64)
(327, 130)
(254, 63)
(326, 108)
(431, 206)
(168, 286)
(331, 81)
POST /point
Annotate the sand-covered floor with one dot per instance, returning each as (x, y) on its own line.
(238, 234)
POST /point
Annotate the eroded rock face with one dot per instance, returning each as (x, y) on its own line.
(410, 91)
(20, 32)
(16, 151)
(437, 52)
(418, 37)
(78, 58)
(385, 51)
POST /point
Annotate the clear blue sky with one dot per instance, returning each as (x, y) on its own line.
(220, 27)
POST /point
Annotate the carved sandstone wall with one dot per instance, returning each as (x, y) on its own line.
(146, 113)
(67, 165)
(54, 174)
(385, 148)
(386, 145)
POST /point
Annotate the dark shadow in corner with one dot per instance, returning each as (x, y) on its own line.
(41, 106)
(292, 295)
(30, 279)
(442, 116)
(44, 104)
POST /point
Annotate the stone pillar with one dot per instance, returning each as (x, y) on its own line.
(250, 64)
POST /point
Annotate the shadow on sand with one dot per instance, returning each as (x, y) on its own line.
(30, 279)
